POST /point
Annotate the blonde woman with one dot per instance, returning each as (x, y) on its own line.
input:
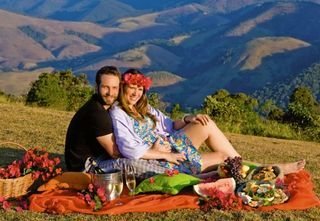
(143, 132)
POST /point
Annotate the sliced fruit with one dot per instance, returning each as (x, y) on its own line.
(225, 185)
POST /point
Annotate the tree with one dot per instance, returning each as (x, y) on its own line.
(267, 107)
(47, 92)
(229, 107)
(303, 109)
(155, 101)
(304, 96)
(276, 114)
(61, 90)
(299, 115)
(176, 112)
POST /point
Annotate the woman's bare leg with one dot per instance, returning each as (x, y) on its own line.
(212, 136)
(211, 160)
(293, 167)
(217, 141)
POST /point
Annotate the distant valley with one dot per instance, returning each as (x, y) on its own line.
(189, 47)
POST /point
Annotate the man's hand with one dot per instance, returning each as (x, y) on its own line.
(175, 158)
(198, 118)
(161, 147)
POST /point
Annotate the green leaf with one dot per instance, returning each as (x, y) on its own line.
(26, 171)
(98, 205)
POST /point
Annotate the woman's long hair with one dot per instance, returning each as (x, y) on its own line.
(141, 106)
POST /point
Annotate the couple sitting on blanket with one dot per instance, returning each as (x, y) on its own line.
(125, 130)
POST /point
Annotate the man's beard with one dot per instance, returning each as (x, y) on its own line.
(109, 99)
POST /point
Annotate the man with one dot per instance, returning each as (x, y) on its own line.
(90, 133)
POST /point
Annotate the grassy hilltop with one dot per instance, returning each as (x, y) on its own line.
(32, 127)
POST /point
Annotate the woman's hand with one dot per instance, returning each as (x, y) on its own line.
(165, 147)
(175, 158)
(198, 118)
(163, 151)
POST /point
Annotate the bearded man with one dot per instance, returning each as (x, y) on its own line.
(90, 132)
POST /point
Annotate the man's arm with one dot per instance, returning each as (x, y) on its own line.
(109, 144)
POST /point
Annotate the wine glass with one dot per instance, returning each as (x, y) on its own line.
(130, 178)
(118, 186)
(109, 187)
(117, 181)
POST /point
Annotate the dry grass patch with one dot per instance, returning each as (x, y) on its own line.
(46, 128)
(259, 48)
(19, 83)
(278, 10)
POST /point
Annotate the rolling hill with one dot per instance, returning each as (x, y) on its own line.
(242, 46)
(259, 48)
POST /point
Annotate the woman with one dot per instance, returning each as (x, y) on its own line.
(144, 132)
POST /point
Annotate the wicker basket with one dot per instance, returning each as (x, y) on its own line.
(15, 187)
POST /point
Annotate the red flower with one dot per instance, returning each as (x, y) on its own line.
(171, 172)
(101, 192)
(36, 175)
(34, 161)
(19, 209)
(58, 170)
(91, 187)
(24, 204)
(56, 160)
(92, 204)
(17, 204)
(28, 164)
(87, 197)
(93, 196)
(6, 205)
(219, 200)
(137, 79)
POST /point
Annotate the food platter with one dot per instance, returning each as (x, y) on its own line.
(260, 185)
(261, 193)
(265, 173)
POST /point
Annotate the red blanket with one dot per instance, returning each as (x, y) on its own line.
(300, 185)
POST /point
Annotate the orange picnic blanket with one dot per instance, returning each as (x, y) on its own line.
(300, 185)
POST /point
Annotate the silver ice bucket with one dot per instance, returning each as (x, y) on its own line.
(111, 181)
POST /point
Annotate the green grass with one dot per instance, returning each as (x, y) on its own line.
(31, 127)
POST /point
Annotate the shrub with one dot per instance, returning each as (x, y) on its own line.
(176, 112)
(276, 114)
(225, 107)
(303, 109)
(60, 90)
(155, 101)
(238, 114)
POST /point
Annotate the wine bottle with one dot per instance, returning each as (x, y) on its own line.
(94, 167)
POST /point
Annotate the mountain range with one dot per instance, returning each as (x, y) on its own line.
(188, 47)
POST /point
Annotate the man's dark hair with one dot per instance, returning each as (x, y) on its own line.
(107, 70)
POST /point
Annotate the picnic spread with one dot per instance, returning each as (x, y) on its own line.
(63, 201)
(236, 186)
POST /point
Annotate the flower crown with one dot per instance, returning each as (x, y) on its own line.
(137, 79)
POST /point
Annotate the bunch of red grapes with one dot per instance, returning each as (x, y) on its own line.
(234, 166)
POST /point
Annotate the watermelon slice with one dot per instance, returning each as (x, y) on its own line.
(225, 185)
